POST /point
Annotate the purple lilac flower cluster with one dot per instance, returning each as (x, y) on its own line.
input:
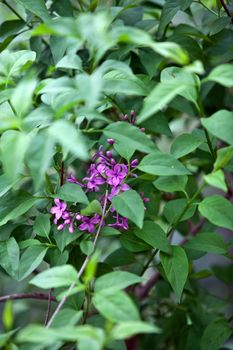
(104, 173)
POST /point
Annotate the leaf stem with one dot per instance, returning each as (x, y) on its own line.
(38, 296)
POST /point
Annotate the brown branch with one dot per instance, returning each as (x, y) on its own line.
(48, 307)
(226, 9)
(62, 173)
(38, 296)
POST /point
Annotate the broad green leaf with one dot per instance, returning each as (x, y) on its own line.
(130, 328)
(119, 82)
(218, 210)
(174, 208)
(159, 97)
(120, 257)
(87, 247)
(94, 207)
(42, 225)
(220, 124)
(132, 243)
(157, 124)
(209, 242)
(14, 205)
(222, 74)
(9, 256)
(170, 8)
(114, 281)
(30, 260)
(162, 164)
(176, 268)
(152, 234)
(117, 307)
(11, 63)
(71, 192)
(58, 276)
(130, 205)
(129, 136)
(215, 335)
(37, 7)
(184, 144)
(69, 137)
(216, 179)
(171, 183)
(13, 146)
(39, 156)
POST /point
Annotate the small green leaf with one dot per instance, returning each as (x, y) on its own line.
(58, 276)
(71, 192)
(184, 144)
(152, 234)
(218, 211)
(115, 281)
(216, 179)
(69, 137)
(171, 183)
(220, 124)
(215, 335)
(162, 164)
(42, 225)
(94, 207)
(222, 74)
(87, 247)
(116, 307)
(70, 61)
(224, 155)
(30, 260)
(130, 328)
(130, 205)
(176, 268)
(174, 208)
(209, 242)
(37, 7)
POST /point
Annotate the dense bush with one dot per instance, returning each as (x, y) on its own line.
(116, 181)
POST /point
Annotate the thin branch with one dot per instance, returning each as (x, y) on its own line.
(226, 9)
(62, 173)
(48, 307)
(38, 296)
(62, 302)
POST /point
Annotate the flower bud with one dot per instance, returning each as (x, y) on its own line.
(142, 129)
(60, 227)
(109, 154)
(134, 163)
(111, 141)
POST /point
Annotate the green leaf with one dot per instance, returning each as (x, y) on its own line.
(117, 307)
(69, 137)
(170, 8)
(215, 335)
(130, 328)
(159, 97)
(152, 234)
(129, 136)
(220, 124)
(30, 260)
(162, 164)
(14, 205)
(171, 183)
(58, 276)
(218, 210)
(209, 242)
(120, 82)
(216, 179)
(130, 205)
(9, 256)
(42, 225)
(71, 192)
(114, 281)
(87, 247)
(174, 208)
(94, 207)
(222, 74)
(11, 63)
(13, 146)
(37, 7)
(176, 268)
(224, 155)
(184, 144)
(39, 156)
(70, 61)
